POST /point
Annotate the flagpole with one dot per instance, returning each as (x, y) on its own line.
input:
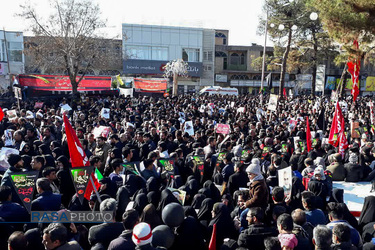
(95, 190)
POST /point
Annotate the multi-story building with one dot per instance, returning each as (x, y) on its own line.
(11, 56)
(233, 65)
(147, 48)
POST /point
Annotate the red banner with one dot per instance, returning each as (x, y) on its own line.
(222, 129)
(150, 85)
(62, 82)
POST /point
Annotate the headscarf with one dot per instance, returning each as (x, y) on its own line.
(215, 193)
(134, 183)
(58, 152)
(166, 198)
(123, 199)
(152, 184)
(189, 235)
(150, 216)
(140, 202)
(197, 201)
(65, 161)
(153, 197)
(45, 149)
(204, 212)
(368, 212)
(50, 161)
(190, 211)
(193, 185)
(26, 162)
(205, 191)
(224, 223)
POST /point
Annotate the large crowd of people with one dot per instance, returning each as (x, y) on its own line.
(232, 199)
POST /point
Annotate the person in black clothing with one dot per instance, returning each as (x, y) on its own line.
(224, 224)
(238, 179)
(16, 166)
(341, 238)
(106, 232)
(253, 237)
(278, 199)
(124, 241)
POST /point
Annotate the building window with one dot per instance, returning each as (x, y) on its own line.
(3, 51)
(242, 62)
(221, 35)
(234, 59)
(159, 53)
(190, 55)
(138, 52)
(15, 51)
(220, 54)
(207, 67)
(207, 56)
(225, 63)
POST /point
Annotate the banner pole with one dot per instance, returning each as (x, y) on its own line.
(95, 190)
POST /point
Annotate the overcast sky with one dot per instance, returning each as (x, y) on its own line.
(240, 17)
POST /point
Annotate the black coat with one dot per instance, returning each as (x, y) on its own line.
(354, 172)
(237, 180)
(105, 233)
(124, 241)
(253, 237)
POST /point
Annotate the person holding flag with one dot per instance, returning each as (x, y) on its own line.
(78, 157)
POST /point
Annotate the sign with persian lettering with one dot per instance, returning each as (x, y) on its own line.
(24, 184)
(81, 177)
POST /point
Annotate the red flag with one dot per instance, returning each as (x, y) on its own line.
(1, 114)
(372, 116)
(353, 68)
(78, 157)
(337, 126)
(212, 245)
(343, 144)
(308, 134)
(284, 93)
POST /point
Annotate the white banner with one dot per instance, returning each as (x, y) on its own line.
(272, 103)
(320, 77)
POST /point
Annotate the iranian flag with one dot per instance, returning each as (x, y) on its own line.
(337, 126)
(78, 157)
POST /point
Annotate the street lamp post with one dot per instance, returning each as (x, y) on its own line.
(264, 60)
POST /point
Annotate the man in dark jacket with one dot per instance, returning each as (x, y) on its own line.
(11, 211)
(106, 232)
(354, 171)
(238, 179)
(253, 237)
(124, 241)
(47, 200)
(16, 165)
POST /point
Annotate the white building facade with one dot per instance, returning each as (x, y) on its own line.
(147, 48)
(11, 56)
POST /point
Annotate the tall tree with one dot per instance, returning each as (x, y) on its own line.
(301, 44)
(67, 40)
(346, 21)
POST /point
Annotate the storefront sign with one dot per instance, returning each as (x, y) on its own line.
(221, 78)
(132, 66)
